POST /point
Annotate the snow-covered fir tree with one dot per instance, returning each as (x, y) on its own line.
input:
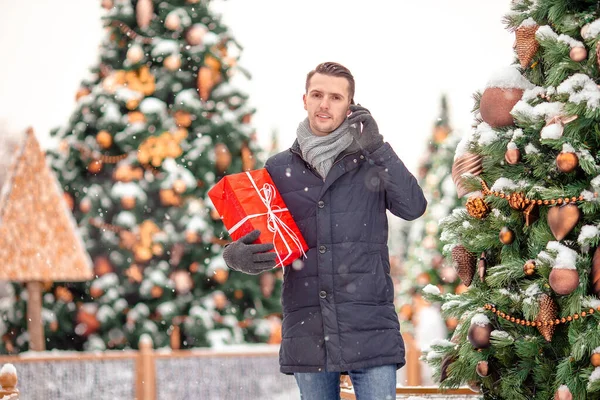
(157, 123)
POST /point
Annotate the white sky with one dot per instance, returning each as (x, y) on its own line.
(403, 55)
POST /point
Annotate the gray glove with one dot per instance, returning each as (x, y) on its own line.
(370, 139)
(249, 258)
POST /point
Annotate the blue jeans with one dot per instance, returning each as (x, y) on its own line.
(377, 383)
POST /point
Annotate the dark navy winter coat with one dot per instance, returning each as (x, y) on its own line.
(338, 310)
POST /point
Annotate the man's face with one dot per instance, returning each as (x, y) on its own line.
(326, 101)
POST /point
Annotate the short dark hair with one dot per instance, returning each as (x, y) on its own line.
(334, 69)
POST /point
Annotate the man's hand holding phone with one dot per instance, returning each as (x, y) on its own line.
(364, 128)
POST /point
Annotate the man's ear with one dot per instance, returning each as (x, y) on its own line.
(348, 112)
(304, 101)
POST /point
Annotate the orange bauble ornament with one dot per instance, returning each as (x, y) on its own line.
(179, 186)
(222, 157)
(578, 54)
(182, 118)
(220, 276)
(567, 162)
(563, 280)
(69, 201)
(172, 62)
(95, 166)
(496, 104)
(595, 360)
(104, 139)
(128, 202)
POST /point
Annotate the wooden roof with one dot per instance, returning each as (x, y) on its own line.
(38, 234)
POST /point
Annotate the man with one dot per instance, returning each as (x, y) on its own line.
(337, 180)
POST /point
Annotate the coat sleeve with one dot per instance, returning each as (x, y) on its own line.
(404, 197)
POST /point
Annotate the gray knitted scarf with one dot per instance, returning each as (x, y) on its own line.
(321, 151)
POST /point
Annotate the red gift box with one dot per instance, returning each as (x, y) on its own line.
(249, 200)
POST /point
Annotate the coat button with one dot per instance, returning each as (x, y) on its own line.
(322, 249)
(322, 294)
(321, 204)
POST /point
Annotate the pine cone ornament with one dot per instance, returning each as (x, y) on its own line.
(464, 262)
(467, 163)
(548, 312)
(517, 201)
(526, 45)
(477, 207)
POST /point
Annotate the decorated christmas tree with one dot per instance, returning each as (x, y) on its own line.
(526, 242)
(160, 120)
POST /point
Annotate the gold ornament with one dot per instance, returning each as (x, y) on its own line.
(464, 263)
(526, 44)
(156, 148)
(179, 186)
(156, 292)
(596, 272)
(82, 92)
(529, 267)
(104, 139)
(182, 118)
(220, 276)
(222, 157)
(69, 201)
(506, 236)
(563, 393)
(248, 161)
(135, 54)
(482, 266)
(134, 273)
(85, 205)
(578, 54)
(482, 369)
(195, 34)
(208, 76)
(512, 156)
(173, 21)
(95, 166)
(562, 219)
(172, 62)
(477, 207)
(128, 202)
(127, 173)
(446, 361)
(567, 162)
(595, 360)
(102, 266)
(467, 163)
(548, 312)
(183, 281)
(192, 237)
(563, 280)
(144, 12)
(531, 214)
(440, 133)
(168, 197)
(496, 104)
(136, 116)
(479, 335)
